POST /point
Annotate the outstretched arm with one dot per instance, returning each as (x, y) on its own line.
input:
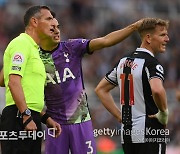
(103, 92)
(113, 37)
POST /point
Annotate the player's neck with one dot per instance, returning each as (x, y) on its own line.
(33, 35)
(48, 46)
(148, 48)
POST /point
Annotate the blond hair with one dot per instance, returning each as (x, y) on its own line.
(149, 25)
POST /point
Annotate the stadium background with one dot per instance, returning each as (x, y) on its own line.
(94, 18)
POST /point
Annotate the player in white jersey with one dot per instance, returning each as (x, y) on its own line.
(143, 104)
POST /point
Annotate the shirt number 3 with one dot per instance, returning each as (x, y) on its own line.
(89, 147)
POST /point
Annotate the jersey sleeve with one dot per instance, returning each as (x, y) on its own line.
(18, 58)
(111, 76)
(154, 70)
(80, 46)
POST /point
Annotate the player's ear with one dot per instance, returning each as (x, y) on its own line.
(34, 21)
(148, 38)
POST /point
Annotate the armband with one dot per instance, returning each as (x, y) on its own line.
(44, 118)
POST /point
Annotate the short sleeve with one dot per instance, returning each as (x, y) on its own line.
(154, 70)
(111, 76)
(18, 58)
(80, 46)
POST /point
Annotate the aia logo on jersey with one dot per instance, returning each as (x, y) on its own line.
(18, 58)
(55, 78)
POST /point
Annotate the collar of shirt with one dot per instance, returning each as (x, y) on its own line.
(30, 39)
(145, 50)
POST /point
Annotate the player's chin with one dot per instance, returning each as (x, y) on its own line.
(56, 40)
(163, 49)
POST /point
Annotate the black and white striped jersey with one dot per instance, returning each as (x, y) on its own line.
(132, 75)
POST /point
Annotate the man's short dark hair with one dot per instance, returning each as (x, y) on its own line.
(53, 14)
(34, 10)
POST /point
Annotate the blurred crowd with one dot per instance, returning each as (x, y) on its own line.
(94, 18)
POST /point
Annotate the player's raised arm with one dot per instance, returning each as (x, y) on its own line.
(113, 37)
